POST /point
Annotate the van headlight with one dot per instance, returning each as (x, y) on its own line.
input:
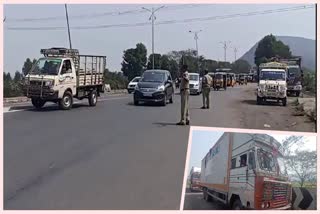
(161, 88)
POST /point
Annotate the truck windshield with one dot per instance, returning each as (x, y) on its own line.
(294, 72)
(273, 75)
(196, 175)
(282, 166)
(47, 66)
(218, 76)
(266, 160)
(153, 77)
(194, 77)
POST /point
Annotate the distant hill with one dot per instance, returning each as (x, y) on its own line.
(299, 47)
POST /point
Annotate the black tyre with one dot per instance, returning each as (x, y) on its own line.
(135, 102)
(284, 101)
(66, 102)
(259, 100)
(93, 98)
(237, 205)
(298, 94)
(37, 103)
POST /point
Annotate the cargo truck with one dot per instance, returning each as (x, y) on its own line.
(294, 75)
(246, 171)
(62, 74)
(272, 83)
(194, 178)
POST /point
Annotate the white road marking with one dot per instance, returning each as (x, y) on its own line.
(7, 109)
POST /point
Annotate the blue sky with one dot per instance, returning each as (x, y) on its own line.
(243, 32)
(202, 141)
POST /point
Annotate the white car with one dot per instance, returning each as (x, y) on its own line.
(195, 83)
(132, 84)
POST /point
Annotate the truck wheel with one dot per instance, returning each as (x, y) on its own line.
(93, 98)
(37, 103)
(66, 102)
(284, 101)
(259, 100)
(237, 205)
(135, 102)
(298, 94)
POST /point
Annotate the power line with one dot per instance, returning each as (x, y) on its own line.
(247, 14)
(97, 15)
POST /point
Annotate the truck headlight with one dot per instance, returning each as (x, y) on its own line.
(262, 205)
(49, 83)
(161, 88)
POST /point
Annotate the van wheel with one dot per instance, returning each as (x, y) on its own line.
(284, 101)
(93, 98)
(136, 102)
(37, 103)
(237, 205)
(66, 102)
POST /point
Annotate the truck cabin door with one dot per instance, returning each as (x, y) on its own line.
(67, 77)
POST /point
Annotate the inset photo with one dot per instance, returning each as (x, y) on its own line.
(259, 171)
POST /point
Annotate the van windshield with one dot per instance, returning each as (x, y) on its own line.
(218, 76)
(194, 77)
(47, 66)
(153, 77)
(273, 75)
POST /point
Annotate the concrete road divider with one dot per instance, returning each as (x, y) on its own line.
(304, 198)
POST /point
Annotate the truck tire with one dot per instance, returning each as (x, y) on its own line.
(284, 101)
(66, 102)
(259, 100)
(298, 94)
(135, 102)
(37, 103)
(237, 205)
(93, 98)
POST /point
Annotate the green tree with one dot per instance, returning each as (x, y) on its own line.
(27, 66)
(241, 66)
(134, 61)
(157, 61)
(270, 47)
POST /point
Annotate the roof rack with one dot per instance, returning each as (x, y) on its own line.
(62, 52)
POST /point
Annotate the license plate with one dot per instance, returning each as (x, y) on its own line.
(147, 94)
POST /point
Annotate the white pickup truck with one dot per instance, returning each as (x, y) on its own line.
(62, 74)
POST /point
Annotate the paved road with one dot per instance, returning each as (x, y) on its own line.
(195, 201)
(117, 155)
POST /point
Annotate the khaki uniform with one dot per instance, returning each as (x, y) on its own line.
(184, 93)
(206, 85)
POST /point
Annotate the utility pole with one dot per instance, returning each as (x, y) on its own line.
(4, 19)
(235, 49)
(152, 18)
(67, 17)
(225, 47)
(196, 39)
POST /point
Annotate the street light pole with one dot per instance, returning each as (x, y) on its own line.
(67, 17)
(196, 39)
(235, 53)
(152, 18)
(225, 47)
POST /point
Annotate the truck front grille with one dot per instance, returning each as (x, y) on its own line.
(276, 192)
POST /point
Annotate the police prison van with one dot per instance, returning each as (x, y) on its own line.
(246, 171)
(62, 74)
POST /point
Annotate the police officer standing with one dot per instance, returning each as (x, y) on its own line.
(206, 85)
(184, 93)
